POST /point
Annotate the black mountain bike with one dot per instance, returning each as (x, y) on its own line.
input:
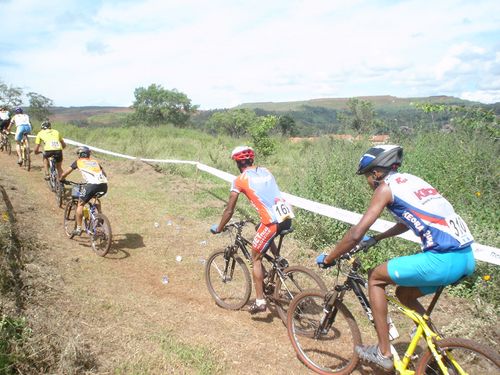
(229, 282)
(54, 185)
(5, 144)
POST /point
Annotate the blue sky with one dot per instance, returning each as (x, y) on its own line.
(221, 53)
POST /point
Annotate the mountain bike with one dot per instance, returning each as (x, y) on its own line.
(5, 143)
(229, 282)
(95, 223)
(54, 185)
(324, 332)
(25, 152)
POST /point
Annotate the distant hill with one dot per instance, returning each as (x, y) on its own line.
(89, 115)
(383, 101)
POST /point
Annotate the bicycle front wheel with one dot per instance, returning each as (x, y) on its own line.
(70, 218)
(460, 356)
(324, 348)
(59, 193)
(228, 280)
(296, 280)
(101, 237)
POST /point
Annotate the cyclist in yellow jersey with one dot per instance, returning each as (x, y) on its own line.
(95, 178)
(53, 145)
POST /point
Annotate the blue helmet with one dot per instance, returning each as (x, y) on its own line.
(384, 156)
(18, 110)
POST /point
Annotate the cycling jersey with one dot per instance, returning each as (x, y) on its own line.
(259, 186)
(91, 170)
(20, 119)
(4, 115)
(427, 213)
(51, 139)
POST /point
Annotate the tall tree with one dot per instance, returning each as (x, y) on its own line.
(39, 105)
(155, 105)
(234, 122)
(287, 125)
(10, 96)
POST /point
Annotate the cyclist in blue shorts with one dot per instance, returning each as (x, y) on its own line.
(445, 241)
(23, 125)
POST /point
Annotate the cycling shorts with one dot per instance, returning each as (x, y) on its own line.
(266, 233)
(88, 191)
(429, 270)
(4, 124)
(57, 154)
(21, 130)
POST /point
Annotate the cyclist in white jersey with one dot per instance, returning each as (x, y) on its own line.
(23, 125)
(446, 242)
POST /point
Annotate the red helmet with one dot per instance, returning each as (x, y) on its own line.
(242, 153)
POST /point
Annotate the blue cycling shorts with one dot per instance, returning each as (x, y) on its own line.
(429, 270)
(20, 130)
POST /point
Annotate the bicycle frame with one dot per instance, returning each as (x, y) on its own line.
(356, 283)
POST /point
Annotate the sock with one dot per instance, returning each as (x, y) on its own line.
(260, 302)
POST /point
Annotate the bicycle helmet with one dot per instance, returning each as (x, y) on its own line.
(83, 152)
(18, 110)
(384, 156)
(241, 153)
(46, 125)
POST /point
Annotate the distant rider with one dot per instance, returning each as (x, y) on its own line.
(4, 119)
(23, 126)
(446, 242)
(53, 145)
(95, 178)
(259, 186)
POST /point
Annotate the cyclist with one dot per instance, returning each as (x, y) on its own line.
(53, 146)
(446, 242)
(4, 118)
(95, 178)
(259, 186)
(23, 126)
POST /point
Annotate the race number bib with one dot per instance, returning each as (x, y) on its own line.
(459, 229)
(55, 144)
(283, 211)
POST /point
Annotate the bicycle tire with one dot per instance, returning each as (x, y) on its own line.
(59, 192)
(298, 279)
(473, 358)
(26, 156)
(7, 147)
(333, 352)
(102, 237)
(233, 293)
(70, 218)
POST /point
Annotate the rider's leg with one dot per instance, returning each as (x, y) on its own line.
(46, 166)
(79, 213)
(258, 275)
(377, 281)
(59, 169)
(18, 151)
(408, 297)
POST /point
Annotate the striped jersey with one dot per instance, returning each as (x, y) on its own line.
(427, 213)
(259, 186)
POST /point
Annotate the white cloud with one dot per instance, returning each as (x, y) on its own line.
(223, 52)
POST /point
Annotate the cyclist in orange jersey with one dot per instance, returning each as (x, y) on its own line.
(259, 186)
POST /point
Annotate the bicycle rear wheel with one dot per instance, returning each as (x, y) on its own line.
(101, 237)
(228, 280)
(325, 351)
(59, 191)
(70, 218)
(26, 156)
(297, 279)
(470, 356)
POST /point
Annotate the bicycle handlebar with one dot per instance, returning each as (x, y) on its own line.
(237, 224)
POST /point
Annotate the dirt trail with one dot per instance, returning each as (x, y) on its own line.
(116, 309)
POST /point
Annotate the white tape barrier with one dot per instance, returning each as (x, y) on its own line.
(481, 252)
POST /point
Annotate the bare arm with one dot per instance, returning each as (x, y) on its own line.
(228, 211)
(63, 144)
(66, 173)
(381, 198)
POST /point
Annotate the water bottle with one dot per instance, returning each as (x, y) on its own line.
(393, 332)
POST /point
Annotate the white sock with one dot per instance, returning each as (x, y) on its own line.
(260, 302)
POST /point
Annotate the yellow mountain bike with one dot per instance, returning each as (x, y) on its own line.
(324, 333)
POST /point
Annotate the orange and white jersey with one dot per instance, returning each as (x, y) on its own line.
(91, 170)
(259, 186)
